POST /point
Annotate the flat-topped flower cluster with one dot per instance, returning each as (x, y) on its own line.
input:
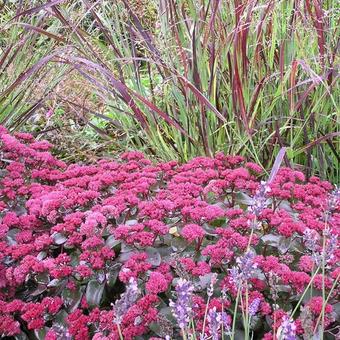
(128, 248)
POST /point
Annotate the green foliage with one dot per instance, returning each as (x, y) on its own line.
(200, 77)
(25, 48)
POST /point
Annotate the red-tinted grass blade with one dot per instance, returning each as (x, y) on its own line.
(38, 8)
(103, 29)
(116, 84)
(244, 37)
(238, 94)
(147, 38)
(318, 21)
(292, 85)
(254, 98)
(44, 32)
(282, 59)
(277, 164)
(26, 74)
(319, 140)
(195, 73)
(24, 116)
(164, 115)
(173, 21)
(201, 98)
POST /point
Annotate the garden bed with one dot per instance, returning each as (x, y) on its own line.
(214, 248)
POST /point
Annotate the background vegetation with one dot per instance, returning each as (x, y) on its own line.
(176, 78)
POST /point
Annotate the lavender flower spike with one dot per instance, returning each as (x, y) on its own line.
(259, 201)
(126, 301)
(245, 268)
(182, 308)
(214, 320)
(217, 321)
(331, 246)
(311, 239)
(210, 289)
(334, 199)
(254, 307)
(287, 330)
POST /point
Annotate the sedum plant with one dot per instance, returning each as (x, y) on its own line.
(130, 249)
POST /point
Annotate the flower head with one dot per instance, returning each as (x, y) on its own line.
(192, 232)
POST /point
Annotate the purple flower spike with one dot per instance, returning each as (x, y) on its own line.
(287, 330)
(259, 201)
(214, 320)
(245, 268)
(210, 290)
(311, 239)
(225, 322)
(126, 301)
(334, 199)
(254, 306)
(217, 321)
(331, 245)
(203, 336)
(182, 308)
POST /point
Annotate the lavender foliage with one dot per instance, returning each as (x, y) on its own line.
(331, 245)
(225, 322)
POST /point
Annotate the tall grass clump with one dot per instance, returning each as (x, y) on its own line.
(182, 78)
(129, 249)
(25, 48)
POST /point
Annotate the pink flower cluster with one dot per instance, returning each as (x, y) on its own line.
(72, 236)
